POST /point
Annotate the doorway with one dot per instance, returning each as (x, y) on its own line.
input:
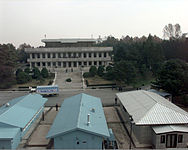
(171, 140)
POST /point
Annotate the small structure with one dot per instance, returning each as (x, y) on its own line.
(17, 116)
(166, 95)
(80, 124)
(157, 122)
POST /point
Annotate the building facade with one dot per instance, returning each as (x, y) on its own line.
(157, 122)
(16, 118)
(69, 53)
(79, 124)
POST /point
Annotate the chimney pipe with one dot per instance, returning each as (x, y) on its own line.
(88, 119)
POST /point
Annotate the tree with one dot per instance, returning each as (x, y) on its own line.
(93, 71)
(36, 73)
(172, 31)
(22, 55)
(23, 77)
(8, 61)
(44, 73)
(27, 70)
(100, 71)
(173, 77)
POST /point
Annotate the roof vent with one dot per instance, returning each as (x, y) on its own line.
(93, 110)
(88, 119)
(7, 104)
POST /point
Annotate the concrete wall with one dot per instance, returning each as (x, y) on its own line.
(78, 140)
(5, 144)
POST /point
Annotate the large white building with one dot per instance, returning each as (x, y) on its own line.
(69, 53)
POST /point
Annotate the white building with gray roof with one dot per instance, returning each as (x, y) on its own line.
(69, 53)
(157, 121)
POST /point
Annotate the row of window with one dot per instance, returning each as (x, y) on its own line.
(69, 64)
(179, 139)
(68, 55)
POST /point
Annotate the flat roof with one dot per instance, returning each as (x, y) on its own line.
(148, 108)
(71, 40)
(73, 116)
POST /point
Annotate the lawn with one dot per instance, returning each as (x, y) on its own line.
(98, 81)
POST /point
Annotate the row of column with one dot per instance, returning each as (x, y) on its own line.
(69, 55)
(67, 64)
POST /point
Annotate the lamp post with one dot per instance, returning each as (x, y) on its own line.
(131, 123)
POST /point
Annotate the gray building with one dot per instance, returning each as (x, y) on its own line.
(69, 53)
(156, 121)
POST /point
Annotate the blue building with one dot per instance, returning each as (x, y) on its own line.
(80, 124)
(17, 116)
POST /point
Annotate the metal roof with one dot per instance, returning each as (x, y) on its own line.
(148, 108)
(8, 133)
(170, 128)
(72, 40)
(21, 110)
(73, 116)
(159, 92)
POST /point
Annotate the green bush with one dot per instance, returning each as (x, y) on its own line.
(86, 75)
(27, 70)
(100, 71)
(93, 71)
(36, 73)
(68, 80)
(44, 73)
(50, 82)
(23, 77)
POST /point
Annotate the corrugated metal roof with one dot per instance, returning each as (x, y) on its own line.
(8, 133)
(21, 110)
(170, 128)
(148, 108)
(73, 116)
(72, 40)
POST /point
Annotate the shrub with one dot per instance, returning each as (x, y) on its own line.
(44, 73)
(23, 77)
(86, 75)
(93, 71)
(27, 70)
(36, 73)
(100, 71)
(68, 80)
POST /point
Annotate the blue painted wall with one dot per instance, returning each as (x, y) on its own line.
(5, 144)
(16, 140)
(78, 140)
(25, 131)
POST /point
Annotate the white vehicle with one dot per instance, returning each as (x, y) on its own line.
(48, 90)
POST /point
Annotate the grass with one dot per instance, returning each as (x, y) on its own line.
(98, 80)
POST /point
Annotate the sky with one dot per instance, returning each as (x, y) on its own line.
(27, 21)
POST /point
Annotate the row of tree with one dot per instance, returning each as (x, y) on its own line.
(27, 75)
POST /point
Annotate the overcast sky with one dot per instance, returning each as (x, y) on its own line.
(27, 21)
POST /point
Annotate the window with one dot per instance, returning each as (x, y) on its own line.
(80, 63)
(64, 64)
(89, 54)
(95, 55)
(180, 138)
(95, 63)
(59, 64)
(38, 55)
(90, 63)
(84, 55)
(49, 64)
(53, 55)
(100, 55)
(105, 54)
(48, 55)
(43, 55)
(59, 55)
(79, 54)
(75, 64)
(162, 138)
(85, 63)
(43, 64)
(54, 64)
(33, 55)
(100, 63)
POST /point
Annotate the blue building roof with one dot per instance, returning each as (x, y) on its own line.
(73, 116)
(18, 112)
(8, 133)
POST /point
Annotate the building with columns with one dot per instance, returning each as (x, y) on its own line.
(69, 53)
